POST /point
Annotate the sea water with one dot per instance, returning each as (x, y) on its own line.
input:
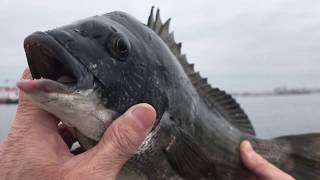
(271, 116)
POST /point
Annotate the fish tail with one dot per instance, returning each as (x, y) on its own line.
(305, 155)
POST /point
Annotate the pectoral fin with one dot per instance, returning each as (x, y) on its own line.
(188, 158)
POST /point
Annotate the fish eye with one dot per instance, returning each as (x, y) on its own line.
(120, 47)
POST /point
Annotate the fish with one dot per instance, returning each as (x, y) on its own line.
(91, 71)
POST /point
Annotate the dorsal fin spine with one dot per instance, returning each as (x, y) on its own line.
(164, 31)
(151, 19)
(158, 23)
(205, 88)
(213, 97)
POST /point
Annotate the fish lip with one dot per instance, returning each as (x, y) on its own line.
(48, 59)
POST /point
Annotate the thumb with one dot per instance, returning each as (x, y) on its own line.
(123, 138)
(27, 113)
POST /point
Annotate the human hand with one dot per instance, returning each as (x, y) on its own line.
(34, 149)
(260, 168)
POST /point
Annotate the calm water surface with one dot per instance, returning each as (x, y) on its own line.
(271, 116)
(283, 115)
(7, 115)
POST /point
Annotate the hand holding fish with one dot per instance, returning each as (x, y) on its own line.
(34, 148)
(261, 168)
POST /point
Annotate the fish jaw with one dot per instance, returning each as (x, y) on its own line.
(79, 110)
(65, 88)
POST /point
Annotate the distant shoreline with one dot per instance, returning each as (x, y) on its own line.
(277, 92)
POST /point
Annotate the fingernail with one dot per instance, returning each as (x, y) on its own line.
(247, 146)
(144, 114)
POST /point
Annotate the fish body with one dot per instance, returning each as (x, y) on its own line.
(93, 70)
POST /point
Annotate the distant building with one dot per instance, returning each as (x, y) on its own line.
(284, 90)
(8, 95)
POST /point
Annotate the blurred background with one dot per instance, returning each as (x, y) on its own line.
(266, 53)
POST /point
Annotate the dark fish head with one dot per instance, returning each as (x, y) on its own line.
(91, 71)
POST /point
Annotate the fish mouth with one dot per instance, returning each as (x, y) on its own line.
(49, 60)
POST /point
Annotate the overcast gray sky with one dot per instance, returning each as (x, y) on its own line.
(238, 44)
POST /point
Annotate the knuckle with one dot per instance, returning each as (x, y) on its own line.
(122, 140)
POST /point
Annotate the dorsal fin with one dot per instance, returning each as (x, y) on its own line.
(214, 97)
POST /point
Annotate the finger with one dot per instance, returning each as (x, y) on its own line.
(31, 115)
(258, 165)
(123, 137)
(26, 74)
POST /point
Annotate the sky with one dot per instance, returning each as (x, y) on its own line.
(238, 45)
